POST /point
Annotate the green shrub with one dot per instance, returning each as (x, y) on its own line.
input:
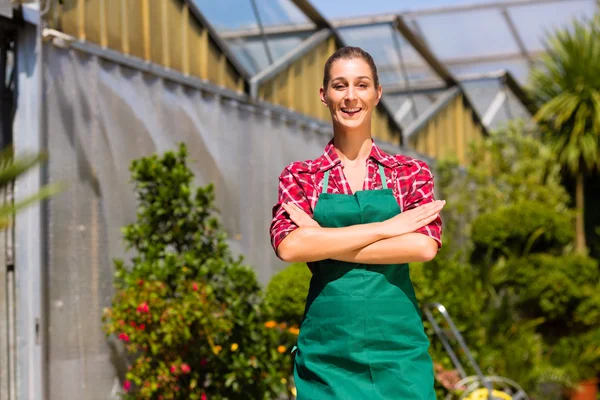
(554, 287)
(286, 293)
(522, 228)
(191, 316)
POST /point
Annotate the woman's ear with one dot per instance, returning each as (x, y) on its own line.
(323, 97)
(379, 94)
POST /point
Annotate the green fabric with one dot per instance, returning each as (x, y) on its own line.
(362, 336)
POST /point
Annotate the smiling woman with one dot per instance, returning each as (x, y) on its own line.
(357, 216)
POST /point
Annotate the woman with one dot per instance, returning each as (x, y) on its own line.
(357, 216)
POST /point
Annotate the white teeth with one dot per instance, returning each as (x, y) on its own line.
(350, 110)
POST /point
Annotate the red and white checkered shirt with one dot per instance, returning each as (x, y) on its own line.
(301, 183)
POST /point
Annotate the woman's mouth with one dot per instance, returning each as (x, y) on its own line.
(350, 112)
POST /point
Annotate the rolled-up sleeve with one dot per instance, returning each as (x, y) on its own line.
(422, 192)
(289, 192)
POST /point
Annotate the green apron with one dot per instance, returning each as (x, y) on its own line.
(362, 336)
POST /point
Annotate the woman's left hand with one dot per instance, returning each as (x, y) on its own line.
(299, 216)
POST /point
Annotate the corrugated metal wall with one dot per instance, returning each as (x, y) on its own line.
(159, 31)
(449, 132)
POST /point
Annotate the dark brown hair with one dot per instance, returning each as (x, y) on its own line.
(348, 53)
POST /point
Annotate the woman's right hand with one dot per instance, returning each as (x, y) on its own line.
(411, 220)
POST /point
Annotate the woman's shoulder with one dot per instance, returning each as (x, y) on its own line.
(410, 162)
(303, 167)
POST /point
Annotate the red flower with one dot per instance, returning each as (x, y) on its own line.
(121, 322)
(124, 337)
(133, 324)
(126, 386)
(173, 369)
(203, 362)
(143, 308)
(185, 368)
(140, 282)
(203, 397)
(141, 327)
(195, 287)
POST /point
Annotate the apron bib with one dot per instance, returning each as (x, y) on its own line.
(362, 336)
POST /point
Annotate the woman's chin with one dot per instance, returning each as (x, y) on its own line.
(351, 124)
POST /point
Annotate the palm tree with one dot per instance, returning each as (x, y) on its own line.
(566, 85)
(10, 169)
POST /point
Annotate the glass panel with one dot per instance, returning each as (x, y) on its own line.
(482, 93)
(219, 14)
(238, 14)
(533, 21)
(380, 43)
(252, 53)
(280, 12)
(467, 34)
(518, 68)
(420, 103)
(511, 109)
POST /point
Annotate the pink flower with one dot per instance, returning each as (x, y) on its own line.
(203, 362)
(203, 397)
(195, 287)
(126, 386)
(124, 337)
(173, 369)
(185, 368)
(141, 327)
(143, 308)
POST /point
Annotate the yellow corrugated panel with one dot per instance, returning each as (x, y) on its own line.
(449, 133)
(161, 31)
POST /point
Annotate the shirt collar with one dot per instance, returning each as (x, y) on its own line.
(330, 158)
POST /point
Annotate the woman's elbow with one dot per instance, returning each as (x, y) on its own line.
(428, 249)
(285, 253)
(286, 250)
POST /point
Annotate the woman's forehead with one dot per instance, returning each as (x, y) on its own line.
(350, 68)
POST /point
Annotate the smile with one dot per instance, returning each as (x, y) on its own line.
(351, 111)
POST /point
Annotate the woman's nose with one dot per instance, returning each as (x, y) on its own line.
(350, 93)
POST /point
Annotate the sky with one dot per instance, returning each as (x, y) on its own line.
(235, 14)
(354, 8)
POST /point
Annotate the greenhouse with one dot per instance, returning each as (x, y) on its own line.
(97, 84)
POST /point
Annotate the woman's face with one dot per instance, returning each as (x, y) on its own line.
(351, 95)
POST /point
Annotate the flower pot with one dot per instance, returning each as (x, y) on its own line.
(585, 390)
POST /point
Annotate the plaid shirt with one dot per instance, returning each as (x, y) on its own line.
(302, 183)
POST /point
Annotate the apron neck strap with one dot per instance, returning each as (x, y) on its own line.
(382, 176)
(326, 181)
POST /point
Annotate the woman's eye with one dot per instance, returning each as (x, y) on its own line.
(362, 85)
(338, 87)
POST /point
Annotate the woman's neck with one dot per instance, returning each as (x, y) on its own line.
(352, 148)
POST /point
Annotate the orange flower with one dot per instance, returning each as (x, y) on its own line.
(294, 330)
(217, 349)
(281, 349)
(270, 324)
(234, 347)
(283, 325)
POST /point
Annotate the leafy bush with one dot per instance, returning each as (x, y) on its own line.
(554, 287)
(506, 273)
(521, 228)
(191, 316)
(286, 293)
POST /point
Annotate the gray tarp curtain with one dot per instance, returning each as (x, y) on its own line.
(98, 117)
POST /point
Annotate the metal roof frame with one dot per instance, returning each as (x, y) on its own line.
(285, 61)
(218, 41)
